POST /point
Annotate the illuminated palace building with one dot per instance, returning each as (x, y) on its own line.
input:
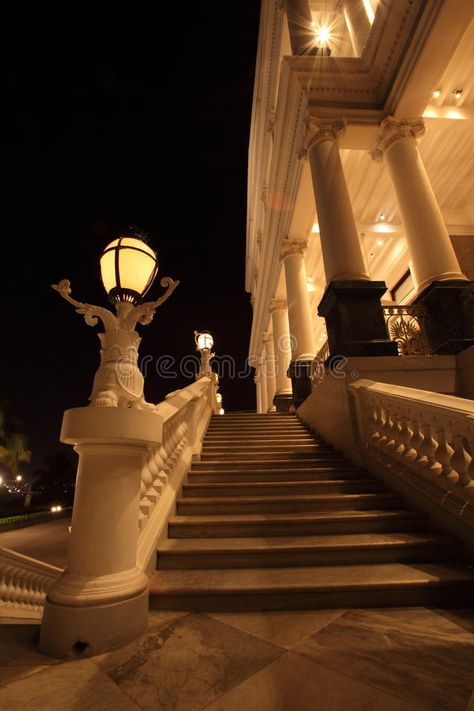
(361, 196)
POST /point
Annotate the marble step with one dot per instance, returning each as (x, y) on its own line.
(281, 463)
(289, 456)
(376, 585)
(282, 488)
(209, 476)
(264, 448)
(284, 504)
(262, 440)
(346, 549)
(296, 524)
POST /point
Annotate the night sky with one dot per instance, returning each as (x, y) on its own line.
(102, 134)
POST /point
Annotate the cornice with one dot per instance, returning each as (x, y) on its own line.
(393, 130)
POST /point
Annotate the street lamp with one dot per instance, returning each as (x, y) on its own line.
(128, 267)
(18, 477)
(204, 342)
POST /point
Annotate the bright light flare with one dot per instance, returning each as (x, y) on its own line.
(323, 35)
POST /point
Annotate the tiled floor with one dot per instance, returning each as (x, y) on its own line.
(328, 660)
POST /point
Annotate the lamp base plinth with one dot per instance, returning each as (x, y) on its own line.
(283, 402)
(354, 319)
(300, 374)
(450, 315)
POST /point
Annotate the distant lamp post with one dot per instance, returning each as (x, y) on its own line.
(128, 267)
(204, 343)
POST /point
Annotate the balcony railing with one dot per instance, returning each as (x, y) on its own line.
(406, 325)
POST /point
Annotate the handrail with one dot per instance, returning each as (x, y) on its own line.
(185, 416)
(428, 433)
(24, 582)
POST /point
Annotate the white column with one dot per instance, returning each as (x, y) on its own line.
(263, 383)
(431, 250)
(342, 254)
(281, 345)
(258, 388)
(358, 24)
(270, 370)
(299, 309)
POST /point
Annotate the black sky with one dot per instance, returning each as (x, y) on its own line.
(103, 134)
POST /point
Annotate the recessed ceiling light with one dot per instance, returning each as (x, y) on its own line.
(457, 93)
(436, 94)
(381, 217)
(379, 242)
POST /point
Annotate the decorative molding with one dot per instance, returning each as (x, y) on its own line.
(292, 246)
(392, 130)
(320, 129)
(259, 238)
(267, 337)
(277, 305)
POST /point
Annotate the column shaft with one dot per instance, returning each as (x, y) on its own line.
(270, 371)
(342, 254)
(282, 347)
(299, 310)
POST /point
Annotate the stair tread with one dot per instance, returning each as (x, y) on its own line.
(321, 542)
(287, 498)
(323, 578)
(280, 484)
(207, 519)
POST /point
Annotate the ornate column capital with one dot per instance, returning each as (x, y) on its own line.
(317, 130)
(292, 246)
(277, 305)
(392, 130)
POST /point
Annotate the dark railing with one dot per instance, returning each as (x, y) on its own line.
(406, 325)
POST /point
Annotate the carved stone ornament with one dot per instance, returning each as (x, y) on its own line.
(316, 130)
(277, 305)
(118, 381)
(392, 130)
(292, 246)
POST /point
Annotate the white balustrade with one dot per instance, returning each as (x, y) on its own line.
(23, 585)
(427, 433)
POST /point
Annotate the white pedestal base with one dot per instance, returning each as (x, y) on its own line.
(70, 632)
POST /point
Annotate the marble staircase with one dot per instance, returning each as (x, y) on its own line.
(272, 517)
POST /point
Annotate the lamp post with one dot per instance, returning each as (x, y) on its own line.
(204, 343)
(100, 601)
(128, 267)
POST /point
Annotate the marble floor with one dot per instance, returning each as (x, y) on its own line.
(327, 660)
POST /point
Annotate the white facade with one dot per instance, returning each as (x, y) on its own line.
(361, 162)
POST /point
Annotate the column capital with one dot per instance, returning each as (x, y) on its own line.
(277, 305)
(392, 130)
(319, 129)
(292, 246)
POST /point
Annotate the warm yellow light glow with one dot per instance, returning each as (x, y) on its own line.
(54, 509)
(315, 228)
(436, 94)
(457, 93)
(204, 341)
(453, 114)
(323, 34)
(382, 217)
(379, 242)
(369, 11)
(1, 480)
(222, 411)
(219, 398)
(128, 263)
(19, 477)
